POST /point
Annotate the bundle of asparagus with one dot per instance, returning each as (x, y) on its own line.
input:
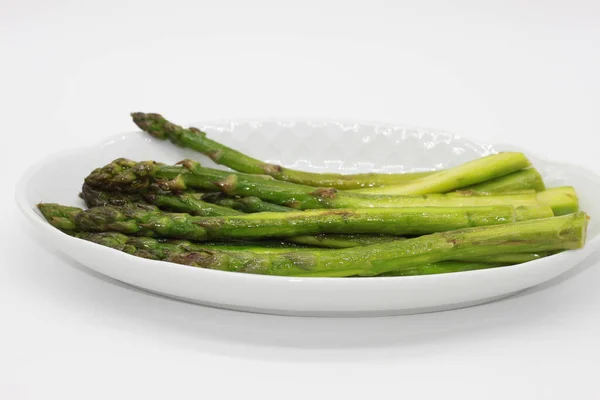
(268, 219)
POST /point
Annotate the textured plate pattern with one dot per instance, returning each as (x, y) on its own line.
(346, 147)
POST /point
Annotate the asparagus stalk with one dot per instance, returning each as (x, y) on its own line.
(471, 173)
(187, 202)
(182, 202)
(147, 247)
(97, 198)
(152, 249)
(124, 175)
(423, 255)
(340, 241)
(563, 200)
(202, 204)
(469, 264)
(283, 247)
(195, 139)
(159, 249)
(247, 204)
(325, 241)
(391, 221)
(549, 234)
(190, 204)
(525, 179)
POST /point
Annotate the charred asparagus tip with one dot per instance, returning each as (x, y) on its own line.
(150, 122)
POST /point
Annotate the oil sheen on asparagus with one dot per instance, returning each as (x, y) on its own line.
(263, 218)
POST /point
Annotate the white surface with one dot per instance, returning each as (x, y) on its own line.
(520, 72)
(397, 148)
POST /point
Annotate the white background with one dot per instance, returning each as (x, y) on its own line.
(521, 72)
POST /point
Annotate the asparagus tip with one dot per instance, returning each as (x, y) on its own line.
(152, 123)
(61, 217)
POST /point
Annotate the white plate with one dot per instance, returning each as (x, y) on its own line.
(315, 146)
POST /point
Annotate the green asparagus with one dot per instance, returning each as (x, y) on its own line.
(343, 241)
(195, 203)
(96, 198)
(159, 249)
(549, 234)
(195, 139)
(124, 175)
(267, 219)
(186, 203)
(282, 247)
(152, 249)
(525, 179)
(190, 204)
(390, 221)
(244, 204)
(563, 199)
(471, 173)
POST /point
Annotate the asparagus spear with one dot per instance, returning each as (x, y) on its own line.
(202, 204)
(549, 234)
(63, 217)
(159, 249)
(563, 200)
(445, 267)
(247, 204)
(128, 176)
(195, 139)
(346, 241)
(339, 241)
(528, 178)
(392, 221)
(152, 249)
(525, 181)
(468, 264)
(95, 198)
(190, 204)
(467, 174)
(282, 247)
